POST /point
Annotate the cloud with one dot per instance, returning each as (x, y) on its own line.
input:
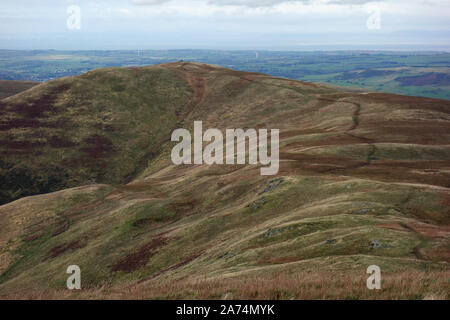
(260, 3)
(149, 2)
(269, 3)
(252, 3)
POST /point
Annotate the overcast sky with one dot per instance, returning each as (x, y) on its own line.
(225, 24)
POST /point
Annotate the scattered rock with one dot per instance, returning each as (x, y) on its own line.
(364, 207)
(255, 205)
(227, 255)
(223, 255)
(273, 184)
(272, 232)
(376, 244)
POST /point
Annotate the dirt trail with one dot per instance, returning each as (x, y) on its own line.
(198, 85)
(354, 126)
(416, 250)
(355, 116)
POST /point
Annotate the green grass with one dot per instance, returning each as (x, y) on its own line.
(105, 135)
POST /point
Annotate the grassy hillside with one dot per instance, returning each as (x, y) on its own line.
(364, 179)
(9, 88)
(99, 127)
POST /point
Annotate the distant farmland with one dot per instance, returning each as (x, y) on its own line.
(423, 74)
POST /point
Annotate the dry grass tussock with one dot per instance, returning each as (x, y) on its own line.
(434, 285)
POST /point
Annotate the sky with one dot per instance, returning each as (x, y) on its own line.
(225, 24)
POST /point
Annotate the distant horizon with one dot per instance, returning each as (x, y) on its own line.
(418, 50)
(275, 25)
(428, 71)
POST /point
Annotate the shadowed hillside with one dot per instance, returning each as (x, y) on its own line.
(364, 179)
(10, 88)
(99, 127)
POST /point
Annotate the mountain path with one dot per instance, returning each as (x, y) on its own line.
(354, 126)
(198, 85)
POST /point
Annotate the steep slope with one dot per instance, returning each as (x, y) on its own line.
(363, 179)
(99, 127)
(10, 88)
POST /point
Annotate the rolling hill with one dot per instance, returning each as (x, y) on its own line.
(9, 88)
(87, 179)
